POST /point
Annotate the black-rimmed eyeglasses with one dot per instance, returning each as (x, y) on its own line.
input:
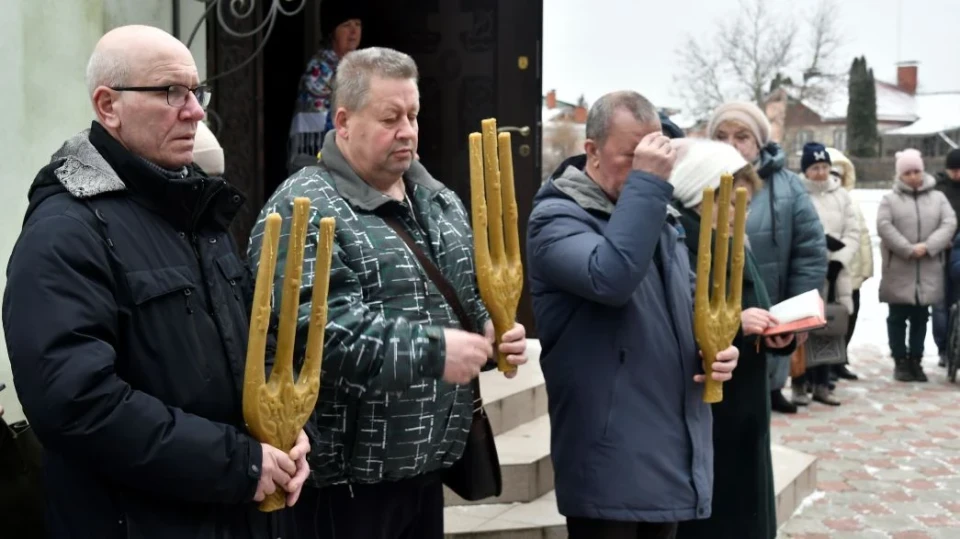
(176, 93)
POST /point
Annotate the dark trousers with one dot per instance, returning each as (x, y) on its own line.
(405, 509)
(941, 319)
(589, 528)
(897, 320)
(853, 317)
(815, 376)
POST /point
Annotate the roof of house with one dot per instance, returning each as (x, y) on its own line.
(937, 112)
(893, 104)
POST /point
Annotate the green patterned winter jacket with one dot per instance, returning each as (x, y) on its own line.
(384, 412)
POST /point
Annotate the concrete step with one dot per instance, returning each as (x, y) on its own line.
(794, 477)
(524, 462)
(512, 402)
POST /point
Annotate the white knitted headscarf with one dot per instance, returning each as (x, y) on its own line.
(700, 163)
(207, 152)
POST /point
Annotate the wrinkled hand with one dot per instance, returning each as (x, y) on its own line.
(513, 343)
(299, 456)
(920, 250)
(466, 354)
(723, 366)
(802, 338)
(755, 321)
(655, 155)
(778, 341)
(275, 471)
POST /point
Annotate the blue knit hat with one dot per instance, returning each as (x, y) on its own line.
(813, 153)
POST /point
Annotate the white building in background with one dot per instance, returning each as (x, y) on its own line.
(44, 47)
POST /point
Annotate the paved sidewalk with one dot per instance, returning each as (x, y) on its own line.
(889, 456)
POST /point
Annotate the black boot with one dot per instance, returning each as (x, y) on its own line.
(779, 403)
(901, 370)
(917, 370)
(844, 373)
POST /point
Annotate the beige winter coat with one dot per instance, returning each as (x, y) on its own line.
(839, 220)
(904, 219)
(861, 267)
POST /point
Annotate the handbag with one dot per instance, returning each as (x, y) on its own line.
(21, 489)
(798, 362)
(476, 475)
(836, 315)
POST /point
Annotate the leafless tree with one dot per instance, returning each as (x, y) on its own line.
(758, 48)
(561, 139)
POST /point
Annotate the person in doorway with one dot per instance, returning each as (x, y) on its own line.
(784, 229)
(395, 401)
(948, 182)
(125, 315)
(916, 225)
(613, 299)
(861, 267)
(839, 220)
(341, 27)
(744, 503)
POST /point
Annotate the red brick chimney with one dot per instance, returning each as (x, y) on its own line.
(552, 99)
(580, 115)
(907, 77)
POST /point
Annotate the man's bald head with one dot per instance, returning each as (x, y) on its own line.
(131, 76)
(122, 53)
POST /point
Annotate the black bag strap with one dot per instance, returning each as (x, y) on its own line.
(443, 285)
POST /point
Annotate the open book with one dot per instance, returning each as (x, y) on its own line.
(798, 314)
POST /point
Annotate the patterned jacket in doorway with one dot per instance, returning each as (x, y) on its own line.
(384, 412)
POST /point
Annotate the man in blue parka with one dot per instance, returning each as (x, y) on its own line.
(613, 298)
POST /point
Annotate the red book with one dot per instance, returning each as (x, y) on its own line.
(798, 314)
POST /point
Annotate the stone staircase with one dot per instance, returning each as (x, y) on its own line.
(527, 507)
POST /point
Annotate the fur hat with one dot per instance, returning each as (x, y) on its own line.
(700, 163)
(333, 13)
(744, 113)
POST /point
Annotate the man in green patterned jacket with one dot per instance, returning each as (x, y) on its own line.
(395, 403)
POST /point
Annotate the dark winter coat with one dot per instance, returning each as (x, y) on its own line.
(125, 315)
(950, 188)
(787, 239)
(744, 501)
(613, 298)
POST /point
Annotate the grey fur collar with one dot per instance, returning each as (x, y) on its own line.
(84, 173)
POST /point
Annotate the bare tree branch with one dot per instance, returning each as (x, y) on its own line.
(746, 54)
(561, 139)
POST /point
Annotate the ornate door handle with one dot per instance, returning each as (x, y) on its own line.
(523, 131)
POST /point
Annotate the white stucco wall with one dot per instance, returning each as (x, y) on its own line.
(44, 46)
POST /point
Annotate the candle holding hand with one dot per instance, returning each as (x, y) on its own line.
(496, 238)
(276, 410)
(717, 313)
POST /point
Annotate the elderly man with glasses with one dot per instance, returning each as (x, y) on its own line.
(126, 315)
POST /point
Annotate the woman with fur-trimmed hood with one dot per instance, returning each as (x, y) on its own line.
(861, 267)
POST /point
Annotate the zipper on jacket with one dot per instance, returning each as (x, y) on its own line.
(203, 274)
(916, 294)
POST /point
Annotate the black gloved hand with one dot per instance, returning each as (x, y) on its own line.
(833, 270)
(833, 244)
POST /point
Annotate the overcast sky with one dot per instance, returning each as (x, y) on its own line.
(631, 44)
